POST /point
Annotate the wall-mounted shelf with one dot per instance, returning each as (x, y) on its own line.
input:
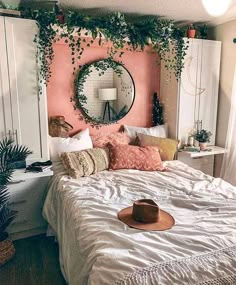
(203, 160)
(211, 150)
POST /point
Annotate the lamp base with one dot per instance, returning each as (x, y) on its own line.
(107, 110)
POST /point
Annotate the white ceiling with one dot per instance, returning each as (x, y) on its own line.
(180, 10)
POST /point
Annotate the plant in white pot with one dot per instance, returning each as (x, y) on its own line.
(9, 153)
(203, 137)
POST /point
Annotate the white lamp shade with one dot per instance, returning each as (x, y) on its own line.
(107, 94)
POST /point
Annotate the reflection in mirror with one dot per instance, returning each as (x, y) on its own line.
(108, 91)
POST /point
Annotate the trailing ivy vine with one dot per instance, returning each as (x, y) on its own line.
(124, 34)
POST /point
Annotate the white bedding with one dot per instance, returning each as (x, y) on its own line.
(98, 249)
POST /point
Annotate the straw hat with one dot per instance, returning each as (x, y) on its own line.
(146, 215)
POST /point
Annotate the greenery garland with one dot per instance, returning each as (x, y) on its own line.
(162, 35)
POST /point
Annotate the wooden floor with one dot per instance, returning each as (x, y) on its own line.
(36, 262)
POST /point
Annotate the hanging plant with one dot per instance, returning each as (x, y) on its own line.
(162, 35)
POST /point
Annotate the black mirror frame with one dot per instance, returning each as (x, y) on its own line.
(80, 99)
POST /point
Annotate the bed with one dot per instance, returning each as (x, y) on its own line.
(96, 248)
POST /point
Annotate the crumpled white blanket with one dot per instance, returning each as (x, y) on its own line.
(96, 248)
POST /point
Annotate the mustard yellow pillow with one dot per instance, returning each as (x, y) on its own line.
(167, 147)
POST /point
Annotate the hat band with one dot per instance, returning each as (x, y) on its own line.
(145, 220)
(145, 211)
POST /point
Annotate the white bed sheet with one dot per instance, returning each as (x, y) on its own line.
(98, 249)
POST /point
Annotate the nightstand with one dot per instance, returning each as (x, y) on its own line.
(27, 195)
(203, 160)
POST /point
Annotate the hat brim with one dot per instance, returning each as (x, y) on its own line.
(166, 221)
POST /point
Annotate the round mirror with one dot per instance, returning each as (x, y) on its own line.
(104, 91)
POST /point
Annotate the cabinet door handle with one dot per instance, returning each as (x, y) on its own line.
(16, 181)
(200, 122)
(17, 203)
(9, 135)
(15, 133)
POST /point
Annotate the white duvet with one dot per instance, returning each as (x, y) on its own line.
(96, 248)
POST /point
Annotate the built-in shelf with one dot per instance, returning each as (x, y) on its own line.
(211, 150)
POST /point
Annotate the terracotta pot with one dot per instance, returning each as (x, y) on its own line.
(61, 18)
(7, 250)
(191, 33)
(203, 145)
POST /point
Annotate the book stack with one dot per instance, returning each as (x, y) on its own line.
(39, 166)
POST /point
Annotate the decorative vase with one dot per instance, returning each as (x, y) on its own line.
(7, 250)
(191, 33)
(203, 145)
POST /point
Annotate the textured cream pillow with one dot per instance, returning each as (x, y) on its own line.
(167, 147)
(85, 162)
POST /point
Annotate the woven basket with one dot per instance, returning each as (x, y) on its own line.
(7, 250)
(58, 127)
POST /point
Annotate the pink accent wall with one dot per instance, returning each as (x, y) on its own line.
(141, 65)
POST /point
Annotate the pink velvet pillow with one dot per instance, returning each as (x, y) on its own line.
(101, 140)
(135, 157)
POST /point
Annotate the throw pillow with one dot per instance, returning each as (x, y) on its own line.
(135, 157)
(167, 147)
(157, 131)
(85, 162)
(58, 145)
(101, 140)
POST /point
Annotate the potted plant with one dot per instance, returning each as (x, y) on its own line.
(8, 153)
(203, 137)
(191, 32)
(59, 14)
(202, 31)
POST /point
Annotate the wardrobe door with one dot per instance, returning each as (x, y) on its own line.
(5, 102)
(210, 69)
(189, 89)
(23, 75)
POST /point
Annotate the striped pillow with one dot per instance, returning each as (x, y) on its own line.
(85, 162)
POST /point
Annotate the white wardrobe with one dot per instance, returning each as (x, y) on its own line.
(192, 101)
(23, 111)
